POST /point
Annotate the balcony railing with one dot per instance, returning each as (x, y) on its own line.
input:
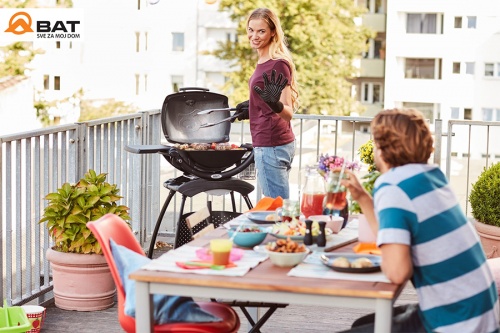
(38, 162)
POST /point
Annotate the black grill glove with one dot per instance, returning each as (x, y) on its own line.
(241, 111)
(272, 90)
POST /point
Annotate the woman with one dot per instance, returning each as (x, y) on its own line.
(273, 99)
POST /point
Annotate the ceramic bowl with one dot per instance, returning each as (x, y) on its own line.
(248, 239)
(333, 222)
(282, 259)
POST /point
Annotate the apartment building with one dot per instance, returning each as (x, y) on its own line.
(443, 57)
(440, 57)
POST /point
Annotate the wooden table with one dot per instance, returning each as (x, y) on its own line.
(265, 283)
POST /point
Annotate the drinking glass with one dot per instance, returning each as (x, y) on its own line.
(221, 250)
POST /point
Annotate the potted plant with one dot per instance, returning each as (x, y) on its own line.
(484, 200)
(81, 277)
(366, 156)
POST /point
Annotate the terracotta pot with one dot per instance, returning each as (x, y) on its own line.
(82, 282)
(490, 238)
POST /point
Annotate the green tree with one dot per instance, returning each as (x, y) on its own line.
(16, 58)
(324, 41)
(112, 108)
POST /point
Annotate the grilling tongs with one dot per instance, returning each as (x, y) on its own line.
(220, 121)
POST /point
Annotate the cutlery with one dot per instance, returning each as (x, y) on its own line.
(205, 264)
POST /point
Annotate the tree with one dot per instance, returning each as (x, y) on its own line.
(16, 58)
(324, 41)
(111, 108)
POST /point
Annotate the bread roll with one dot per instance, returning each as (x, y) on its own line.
(361, 263)
(271, 217)
(341, 262)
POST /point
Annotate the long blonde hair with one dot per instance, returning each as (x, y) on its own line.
(278, 48)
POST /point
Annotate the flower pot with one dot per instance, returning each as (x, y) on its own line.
(82, 282)
(490, 238)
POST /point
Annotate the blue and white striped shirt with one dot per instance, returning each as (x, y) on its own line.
(415, 206)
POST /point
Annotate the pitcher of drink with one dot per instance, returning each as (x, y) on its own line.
(335, 202)
(313, 193)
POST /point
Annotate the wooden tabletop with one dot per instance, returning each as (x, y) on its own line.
(267, 277)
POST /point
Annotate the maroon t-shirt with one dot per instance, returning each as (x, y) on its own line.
(267, 128)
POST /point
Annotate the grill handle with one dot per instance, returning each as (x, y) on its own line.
(184, 89)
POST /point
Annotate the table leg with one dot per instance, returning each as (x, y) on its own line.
(143, 308)
(383, 316)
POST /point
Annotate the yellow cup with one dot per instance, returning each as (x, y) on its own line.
(221, 250)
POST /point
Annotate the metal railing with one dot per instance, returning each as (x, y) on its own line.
(38, 162)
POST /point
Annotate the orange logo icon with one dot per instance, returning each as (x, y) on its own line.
(24, 23)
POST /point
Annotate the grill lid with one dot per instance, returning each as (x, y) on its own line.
(181, 122)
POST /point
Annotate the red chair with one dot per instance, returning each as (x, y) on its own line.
(112, 226)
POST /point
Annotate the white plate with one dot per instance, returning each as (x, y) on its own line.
(259, 217)
(327, 259)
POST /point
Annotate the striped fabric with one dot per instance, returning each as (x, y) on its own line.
(416, 206)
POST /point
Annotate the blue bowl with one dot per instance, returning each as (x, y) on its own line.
(248, 239)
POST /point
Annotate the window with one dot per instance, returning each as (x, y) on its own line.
(487, 114)
(375, 6)
(422, 68)
(467, 114)
(146, 41)
(137, 41)
(471, 22)
(489, 69)
(145, 82)
(177, 41)
(376, 48)
(177, 82)
(456, 68)
(491, 114)
(46, 82)
(57, 83)
(469, 68)
(371, 92)
(426, 108)
(58, 45)
(455, 113)
(492, 69)
(137, 83)
(421, 23)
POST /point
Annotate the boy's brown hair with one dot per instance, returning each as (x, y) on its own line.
(403, 136)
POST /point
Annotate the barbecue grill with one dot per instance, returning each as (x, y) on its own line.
(194, 121)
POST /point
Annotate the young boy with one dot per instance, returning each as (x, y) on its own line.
(423, 234)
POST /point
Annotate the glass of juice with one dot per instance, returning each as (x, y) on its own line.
(221, 250)
(312, 204)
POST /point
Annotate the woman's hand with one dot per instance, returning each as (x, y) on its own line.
(272, 90)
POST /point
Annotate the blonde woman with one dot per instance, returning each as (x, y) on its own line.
(273, 99)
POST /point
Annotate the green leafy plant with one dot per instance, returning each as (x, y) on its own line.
(484, 197)
(72, 206)
(366, 156)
